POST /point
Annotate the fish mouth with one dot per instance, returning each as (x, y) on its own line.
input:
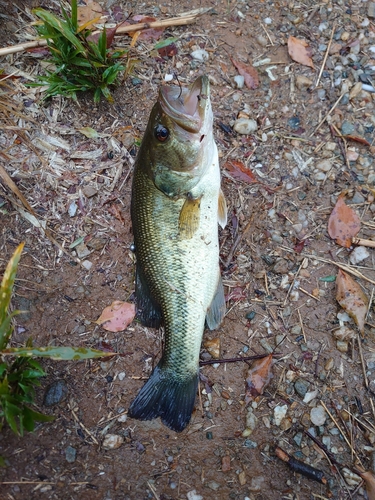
(186, 106)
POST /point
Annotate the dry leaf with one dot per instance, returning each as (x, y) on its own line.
(248, 72)
(343, 223)
(352, 299)
(369, 480)
(299, 51)
(213, 347)
(117, 316)
(357, 138)
(88, 12)
(258, 377)
(239, 171)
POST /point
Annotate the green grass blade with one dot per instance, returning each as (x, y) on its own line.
(58, 353)
(60, 26)
(74, 18)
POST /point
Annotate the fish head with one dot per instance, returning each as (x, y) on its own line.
(179, 137)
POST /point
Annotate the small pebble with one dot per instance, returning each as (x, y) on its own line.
(55, 393)
(121, 375)
(245, 126)
(193, 495)
(72, 210)
(318, 415)
(309, 396)
(279, 413)
(200, 55)
(112, 441)
(89, 191)
(301, 386)
(324, 166)
(70, 454)
(239, 80)
(358, 255)
(302, 82)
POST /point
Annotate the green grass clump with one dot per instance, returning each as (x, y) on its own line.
(81, 63)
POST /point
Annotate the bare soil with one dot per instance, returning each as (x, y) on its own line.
(267, 274)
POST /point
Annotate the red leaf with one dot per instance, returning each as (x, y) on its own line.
(117, 316)
(352, 299)
(239, 171)
(168, 51)
(343, 223)
(258, 377)
(298, 247)
(357, 138)
(248, 72)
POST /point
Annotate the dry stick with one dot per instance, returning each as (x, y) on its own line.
(326, 55)
(362, 360)
(174, 21)
(292, 284)
(344, 267)
(327, 115)
(237, 241)
(235, 360)
(341, 432)
(364, 243)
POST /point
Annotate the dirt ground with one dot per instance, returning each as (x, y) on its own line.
(273, 281)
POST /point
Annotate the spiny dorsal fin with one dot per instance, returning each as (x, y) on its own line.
(189, 218)
(222, 210)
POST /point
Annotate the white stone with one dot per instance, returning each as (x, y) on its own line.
(112, 441)
(245, 126)
(87, 264)
(279, 413)
(200, 55)
(309, 396)
(239, 80)
(318, 415)
(358, 254)
(193, 495)
(121, 375)
(72, 210)
(324, 165)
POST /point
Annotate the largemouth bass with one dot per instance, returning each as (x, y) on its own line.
(176, 206)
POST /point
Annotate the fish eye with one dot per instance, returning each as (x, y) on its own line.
(161, 133)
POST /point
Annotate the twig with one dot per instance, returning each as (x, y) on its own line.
(268, 35)
(364, 243)
(341, 432)
(362, 360)
(301, 467)
(294, 280)
(237, 241)
(152, 488)
(348, 269)
(235, 360)
(325, 56)
(308, 293)
(327, 115)
(174, 21)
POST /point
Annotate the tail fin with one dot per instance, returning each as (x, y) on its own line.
(167, 397)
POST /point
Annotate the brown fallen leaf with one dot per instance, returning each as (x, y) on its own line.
(352, 299)
(357, 138)
(299, 51)
(225, 463)
(213, 347)
(369, 480)
(86, 13)
(117, 316)
(343, 223)
(248, 72)
(148, 34)
(240, 171)
(258, 377)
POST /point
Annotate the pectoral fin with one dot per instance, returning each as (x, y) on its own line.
(189, 218)
(148, 311)
(222, 210)
(216, 311)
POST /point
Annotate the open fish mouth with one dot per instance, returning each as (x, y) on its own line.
(187, 106)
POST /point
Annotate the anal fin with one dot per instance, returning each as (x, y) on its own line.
(222, 211)
(216, 311)
(148, 310)
(189, 218)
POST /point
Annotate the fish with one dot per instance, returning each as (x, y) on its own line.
(177, 204)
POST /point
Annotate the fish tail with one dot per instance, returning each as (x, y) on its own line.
(168, 397)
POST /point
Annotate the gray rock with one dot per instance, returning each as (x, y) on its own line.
(301, 386)
(347, 128)
(55, 393)
(70, 454)
(357, 198)
(318, 415)
(371, 9)
(213, 485)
